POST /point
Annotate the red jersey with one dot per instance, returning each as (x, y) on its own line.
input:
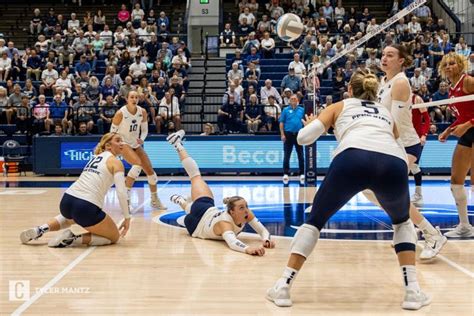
(463, 111)
(421, 122)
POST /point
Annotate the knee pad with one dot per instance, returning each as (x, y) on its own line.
(370, 195)
(191, 167)
(134, 172)
(305, 240)
(153, 179)
(404, 236)
(415, 168)
(459, 193)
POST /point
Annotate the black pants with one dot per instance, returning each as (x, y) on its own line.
(355, 170)
(288, 145)
(228, 124)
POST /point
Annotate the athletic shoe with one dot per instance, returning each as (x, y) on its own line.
(286, 179)
(433, 245)
(280, 295)
(415, 300)
(62, 240)
(417, 199)
(461, 231)
(178, 199)
(156, 203)
(30, 234)
(302, 179)
(176, 137)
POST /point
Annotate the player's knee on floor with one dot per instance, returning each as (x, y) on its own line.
(305, 240)
(134, 172)
(152, 179)
(404, 236)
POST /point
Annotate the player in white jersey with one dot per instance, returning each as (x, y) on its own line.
(131, 122)
(83, 201)
(204, 220)
(368, 157)
(395, 94)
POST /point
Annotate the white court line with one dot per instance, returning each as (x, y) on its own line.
(23, 307)
(52, 282)
(456, 266)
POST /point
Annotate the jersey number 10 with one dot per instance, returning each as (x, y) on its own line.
(133, 127)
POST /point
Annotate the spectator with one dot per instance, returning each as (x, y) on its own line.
(424, 93)
(30, 91)
(425, 71)
(160, 89)
(48, 78)
(33, 65)
(267, 46)
(298, 66)
(373, 63)
(271, 110)
(208, 129)
(108, 89)
(14, 99)
(264, 24)
(328, 11)
(235, 74)
(5, 66)
(248, 16)
(59, 112)
(41, 115)
(291, 81)
(11, 50)
(65, 82)
(23, 115)
(137, 15)
(417, 80)
(80, 43)
(163, 19)
(230, 116)
(17, 70)
(339, 12)
(85, 112)
(107, 112)
(446, 44)
(125, 89)
(290, 124)
(111, 73)
(267, 91)
(123, 15)
(74, 23)
(58, 131)
(227, 37)
(83, 130)
(413, 26)
(82, 66)
(433, 129)
(436, 54)
(137, 70)
(253, 114)
(93, 91)
(440, 113)
(423, 13)
(168, 110)
(244, 29)
(99, 21)
(66, 55)
(36, 22)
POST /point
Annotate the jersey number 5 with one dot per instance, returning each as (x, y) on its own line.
(133, 127)
(371, 109)
(94, 163)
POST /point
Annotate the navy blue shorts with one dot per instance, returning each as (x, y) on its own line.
(467, 139)
(415, 151)
(355, 170)
(84, 213)
(198, 209)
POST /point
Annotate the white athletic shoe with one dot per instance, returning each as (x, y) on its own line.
(176, 137)
(286, 179)
(30, 234)
(302, 178)
(62, 240)
(417, 199)
(415, 300)
(178, 199)
(279, 294)
(461, 231)
(433, 245)
(156, 203)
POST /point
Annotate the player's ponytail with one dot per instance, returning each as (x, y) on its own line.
(229, 201)
(364, 85)
(100, 148)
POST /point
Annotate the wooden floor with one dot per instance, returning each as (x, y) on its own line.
(159, 269)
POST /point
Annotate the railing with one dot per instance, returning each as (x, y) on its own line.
(444, 12)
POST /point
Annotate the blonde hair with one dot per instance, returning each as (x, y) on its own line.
(459, 59)
(364, 85)
(107, 138)
(211, 127)
(230, 201)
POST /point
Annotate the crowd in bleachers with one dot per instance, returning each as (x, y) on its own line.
(82, 66)
(264, 66)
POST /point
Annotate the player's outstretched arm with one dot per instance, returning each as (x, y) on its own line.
(234, 243)
(258, 227)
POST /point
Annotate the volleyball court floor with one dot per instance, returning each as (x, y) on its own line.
(158, 269)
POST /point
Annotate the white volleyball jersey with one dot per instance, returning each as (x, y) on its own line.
(94, 181)
(366, 125)
(205, 228)
(402, 115)
(129, 127)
